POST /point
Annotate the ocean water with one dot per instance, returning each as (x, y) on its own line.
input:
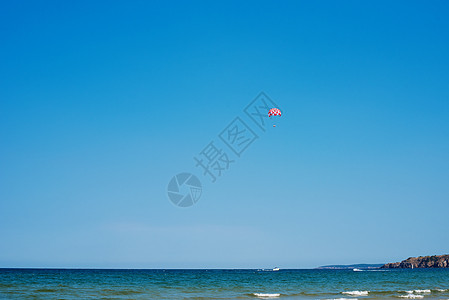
(223, 284)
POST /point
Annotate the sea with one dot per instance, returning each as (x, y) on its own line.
(224, 284)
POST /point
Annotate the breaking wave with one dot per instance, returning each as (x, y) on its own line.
(356, 293)
(266, 295)
(411, 296)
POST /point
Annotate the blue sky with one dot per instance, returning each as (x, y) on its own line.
(102, 103)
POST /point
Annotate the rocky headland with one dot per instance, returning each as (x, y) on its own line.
(434, 261)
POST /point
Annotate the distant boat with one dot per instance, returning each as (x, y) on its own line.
(275, 269)
(356, 270)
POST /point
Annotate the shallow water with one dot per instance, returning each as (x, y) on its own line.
(223, 284)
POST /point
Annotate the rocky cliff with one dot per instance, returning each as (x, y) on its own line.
(434, 261)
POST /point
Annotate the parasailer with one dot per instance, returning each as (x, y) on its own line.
(274, 113)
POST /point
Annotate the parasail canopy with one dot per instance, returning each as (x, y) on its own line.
(274, 112)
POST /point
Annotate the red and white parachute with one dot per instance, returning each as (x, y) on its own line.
(274, 113)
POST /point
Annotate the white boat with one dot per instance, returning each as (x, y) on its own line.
(356, 270)
(275, 269)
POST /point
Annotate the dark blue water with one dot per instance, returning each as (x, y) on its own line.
(223, 284)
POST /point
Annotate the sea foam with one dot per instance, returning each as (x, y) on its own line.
(411, 296)
(266, 295)
(356, 293)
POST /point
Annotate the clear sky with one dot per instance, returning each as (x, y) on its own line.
(102, 102)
